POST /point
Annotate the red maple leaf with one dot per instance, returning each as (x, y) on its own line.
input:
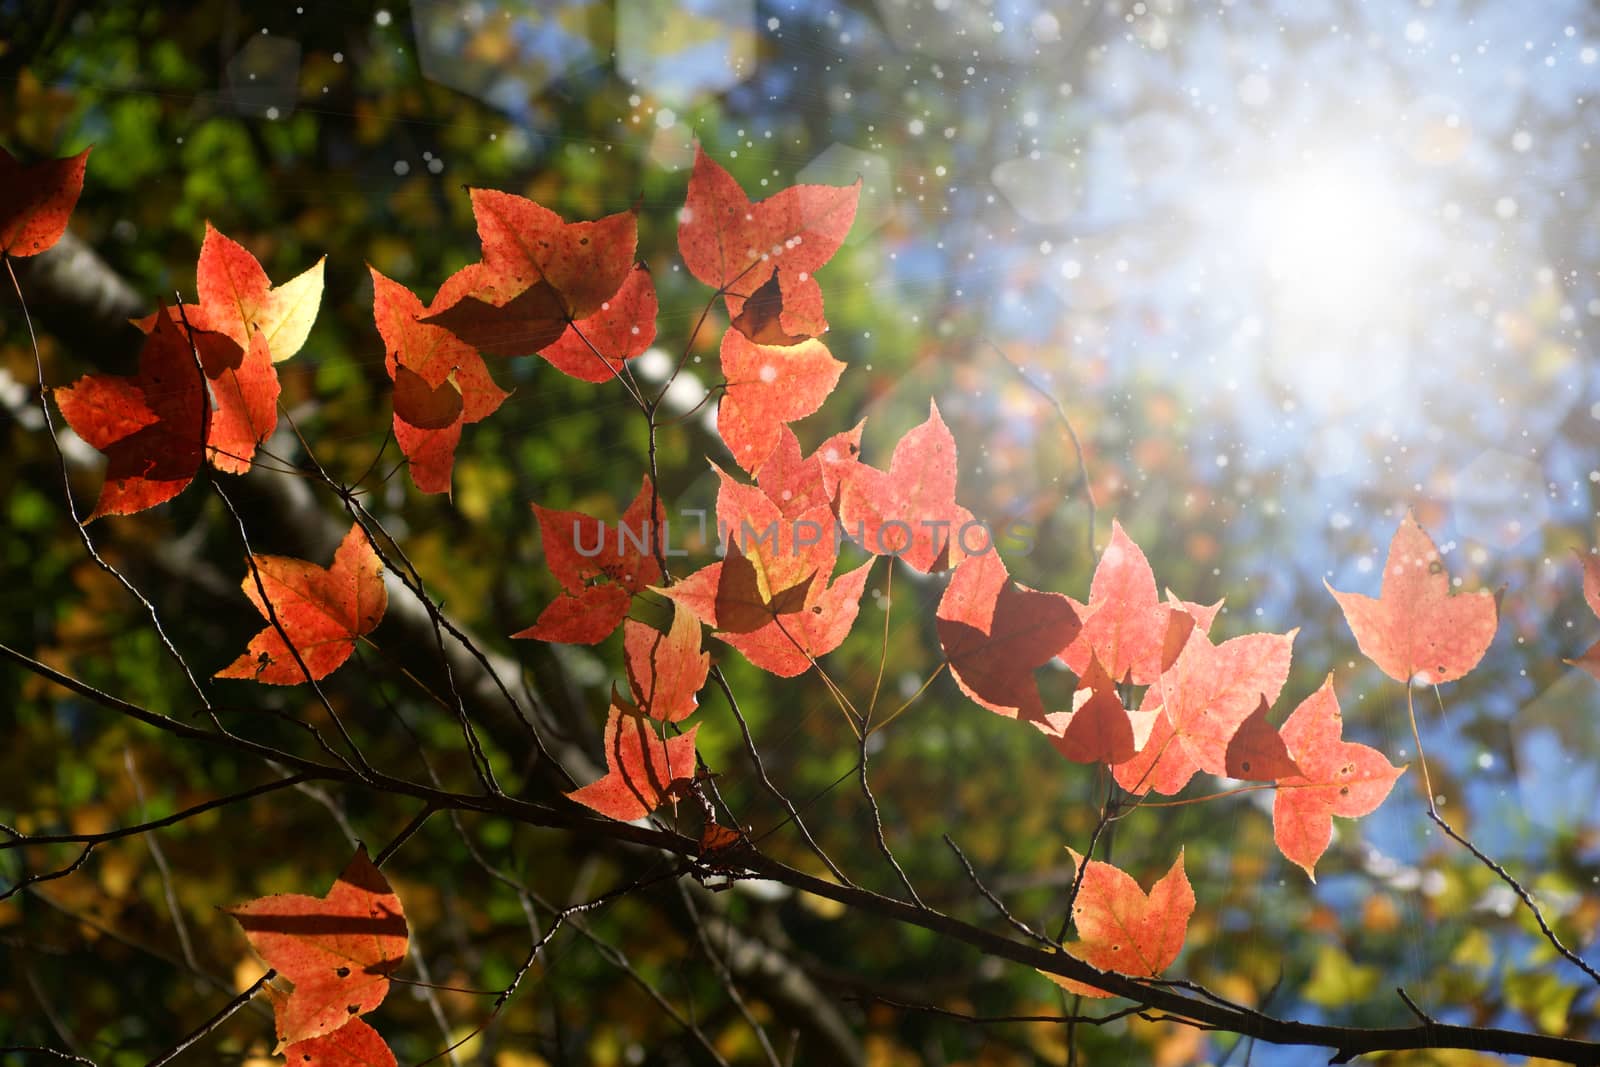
(1098, 729)
(785, 633)
(737, 246)
(1125, 622)
(242, 383)
(1257, 752)
(771, 597)
(666, 670)
(1590, 660)
(910, 510)
(768, 386)
(642, 767)
(1337, 777)
(595, 348)
(321, 610)
(761, 318)
(435, 374)
(585, 263)
(1417, 628)
(600, 567)
(355, 1044)
(1205, 697)
(783, 551)
(1123, 929)
(749, 596)
(788, 644)
(996, 632)
(535, 320)
(151, 426)
(569, 290)
(524, 324)
(37, 200)
(338, 949)
(242, 327)
(798, 484)
(240, 300)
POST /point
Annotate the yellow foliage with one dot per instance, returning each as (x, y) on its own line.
(1338, 981)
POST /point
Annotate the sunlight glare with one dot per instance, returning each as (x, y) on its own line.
(1334, 242)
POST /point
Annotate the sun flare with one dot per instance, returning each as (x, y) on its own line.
(1335, 243)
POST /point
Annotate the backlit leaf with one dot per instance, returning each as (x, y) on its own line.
(642, 766)
(321, 610)
(1417, 628)
(1123, 929)
(37, 200)
(338, 949)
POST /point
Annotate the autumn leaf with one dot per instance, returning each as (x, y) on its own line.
(600, 567)
(422, 405)
(642, 767)
(768, 386)
(737, 246)
(771, 597)
(910, 510)
(37, 200)
(1256, 752)
(996, 632)
(1098, 729)
(1337, 777)
(535, 320)
(594, 349)
(761, 318)
(1128, 623)
(243, 386)
(242, 327)
(782, 552)
(808, 623)
(1417, 628)
(240, 300)
(338, 949)
(1123, 929)
(715, 838)
(1590, 660)
(435, 373)
(791, 635)
(666, 670)
(526, 323)
(355, 1044)
(748, 598)
(151, 426)
(321, 610)
(246, 400)
(524, 244)
(798, 484)
(1205, 697)
(787, 645)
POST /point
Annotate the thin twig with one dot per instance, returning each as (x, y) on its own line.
(1061, 414)
(767, 783)
(72, 509)
(999, 905)
(877, 826)
(725, 975)
(995, 1020)
(167, 891)
(25, 840)
(1522, 894)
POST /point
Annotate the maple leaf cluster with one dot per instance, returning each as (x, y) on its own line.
(773, 598)
(1157, 700)
(207, 385)
(337, 951)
